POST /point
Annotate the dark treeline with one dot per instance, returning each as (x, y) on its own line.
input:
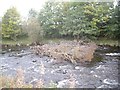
(65, 19)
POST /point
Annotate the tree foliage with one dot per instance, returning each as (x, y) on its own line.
(98, 14)
(65, 19)
(114, 24)
(51, 19)
(11, 24)
(79, 19)
(33, 27)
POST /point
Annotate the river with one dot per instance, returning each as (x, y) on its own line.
(102, 72)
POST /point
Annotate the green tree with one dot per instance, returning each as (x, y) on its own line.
(99, 15)
(50, 18)
(32, 13)
(33, 27)
(114, 24)
(80, 19)
(74, 23)
(11, 24)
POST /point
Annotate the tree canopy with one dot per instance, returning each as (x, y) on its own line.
(91, 19)
(11, 24)
(66, 19)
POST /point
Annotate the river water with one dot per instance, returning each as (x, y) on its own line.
(102, 72)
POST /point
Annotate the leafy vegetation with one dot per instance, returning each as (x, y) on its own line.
(24, 40)
(33, 28)
(11, 24)
(64, 20)
(79, 19)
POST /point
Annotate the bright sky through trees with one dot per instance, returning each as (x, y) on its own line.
(23, 6)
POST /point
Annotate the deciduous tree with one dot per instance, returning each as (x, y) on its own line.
(11, 24)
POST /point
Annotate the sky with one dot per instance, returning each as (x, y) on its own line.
(23, 6)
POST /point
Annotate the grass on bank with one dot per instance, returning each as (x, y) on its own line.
(104, 41)
(24, 40)
(27, 40)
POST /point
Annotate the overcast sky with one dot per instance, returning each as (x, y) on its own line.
(23, 6)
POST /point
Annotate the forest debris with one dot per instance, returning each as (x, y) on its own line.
(69, 50)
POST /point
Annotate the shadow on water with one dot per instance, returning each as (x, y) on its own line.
(101, 52)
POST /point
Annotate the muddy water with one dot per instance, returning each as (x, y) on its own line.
(101, 73)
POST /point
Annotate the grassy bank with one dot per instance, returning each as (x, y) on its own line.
(104, 41)
(27, 40)
(12, 42)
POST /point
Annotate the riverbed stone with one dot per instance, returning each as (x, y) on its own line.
(62, 84)
(77, 67)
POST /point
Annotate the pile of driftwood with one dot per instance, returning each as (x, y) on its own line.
(67, 50)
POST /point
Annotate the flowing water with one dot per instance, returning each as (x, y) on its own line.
(102, 72)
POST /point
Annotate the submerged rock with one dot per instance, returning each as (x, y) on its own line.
(3, 52)
(104, 86)
(77, 67)
(62, 84)
(113, 54)
(110, 82)
(22, 54)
